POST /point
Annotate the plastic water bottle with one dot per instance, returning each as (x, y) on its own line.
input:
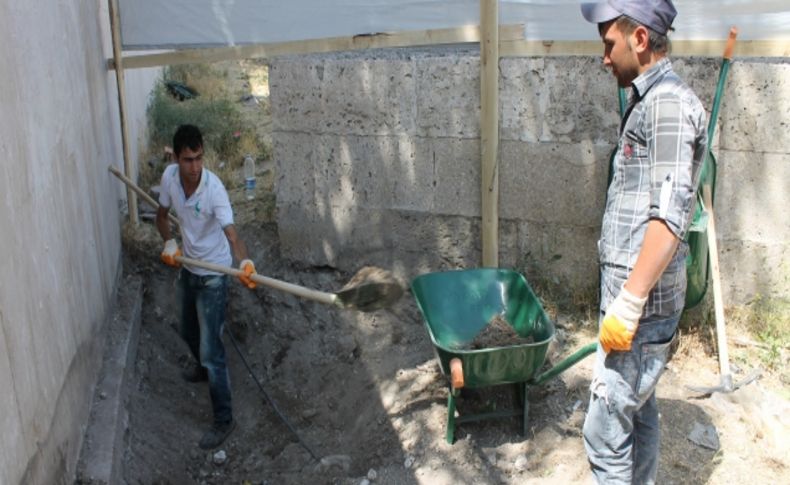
(249, 177)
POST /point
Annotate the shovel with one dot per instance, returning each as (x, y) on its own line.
(370, 289)
(708, 182)
(726, 384)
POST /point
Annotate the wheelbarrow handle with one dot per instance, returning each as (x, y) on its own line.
(730, 46)
(456, 373)
(725, 68)
(565, 364)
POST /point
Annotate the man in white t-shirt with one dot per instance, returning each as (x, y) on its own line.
(201, 203)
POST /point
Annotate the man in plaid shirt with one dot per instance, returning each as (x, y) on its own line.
(642, 251)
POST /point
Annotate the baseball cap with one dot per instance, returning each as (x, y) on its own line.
(654, 14)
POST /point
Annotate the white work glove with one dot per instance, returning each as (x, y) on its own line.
(248, 267)
(621, 321)
(170, 252)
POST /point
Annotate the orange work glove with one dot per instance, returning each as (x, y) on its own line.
(621, 321)
(248, 267)
(170, 252)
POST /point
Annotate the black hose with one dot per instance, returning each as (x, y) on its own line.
(271, 401)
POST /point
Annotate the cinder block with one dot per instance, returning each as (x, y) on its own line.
(448, 95)
(375, 172)
(329, 173)
(521, 85)
(581, 101)
(369, 96)
(294, 155)
(307, 236)
(348, 237)
(558, 100)
(455, 166)
(345, 94)
(553, 183)
(752, 197)
(411, 175)
(750, 269)
(295, 85)
(560, 256)
(371, 172)
(755, 112)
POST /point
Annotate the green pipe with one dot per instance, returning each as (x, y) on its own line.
(565, 364)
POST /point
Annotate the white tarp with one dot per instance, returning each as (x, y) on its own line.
(155, 24)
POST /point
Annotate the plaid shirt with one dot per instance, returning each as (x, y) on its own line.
(662, 146)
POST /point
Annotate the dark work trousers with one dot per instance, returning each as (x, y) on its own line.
(201, 304)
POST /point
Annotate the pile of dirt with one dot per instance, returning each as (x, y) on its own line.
(498, 333)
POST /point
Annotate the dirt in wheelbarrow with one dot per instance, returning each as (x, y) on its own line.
(365, 395)
(498, 333)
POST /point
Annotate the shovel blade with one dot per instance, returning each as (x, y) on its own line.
(370, 289)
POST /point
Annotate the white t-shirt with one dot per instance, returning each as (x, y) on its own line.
(202, 217)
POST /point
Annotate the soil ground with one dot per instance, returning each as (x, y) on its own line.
(365, 393)
(367, 387)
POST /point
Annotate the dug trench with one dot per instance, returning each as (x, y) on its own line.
(364, 392)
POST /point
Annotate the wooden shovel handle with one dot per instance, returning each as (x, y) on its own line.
(301, 291)
(718, 302)
(140, 192)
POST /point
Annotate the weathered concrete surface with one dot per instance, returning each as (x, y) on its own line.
(378, 159)
(59, 131)
(103, 447)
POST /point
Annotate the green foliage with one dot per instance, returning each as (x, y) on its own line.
(219, 119)
(227, 134)
(769, 321)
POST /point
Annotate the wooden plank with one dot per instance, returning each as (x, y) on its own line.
(115, 25)
(489, 129)
(511, 44)
(458, 35)
(680, 48)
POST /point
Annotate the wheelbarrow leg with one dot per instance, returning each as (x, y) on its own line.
(521, 402)
(451, 415)
(526, 411)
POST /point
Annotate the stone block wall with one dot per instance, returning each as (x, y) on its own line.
(378, 157)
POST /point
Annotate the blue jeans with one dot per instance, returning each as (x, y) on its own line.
(201, 306)
(621, 430)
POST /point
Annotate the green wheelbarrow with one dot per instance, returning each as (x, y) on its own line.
(458, 305)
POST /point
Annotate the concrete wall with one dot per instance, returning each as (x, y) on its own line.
(60, 236)
(378, 161)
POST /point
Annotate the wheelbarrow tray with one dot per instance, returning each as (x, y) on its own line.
(458, 305)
